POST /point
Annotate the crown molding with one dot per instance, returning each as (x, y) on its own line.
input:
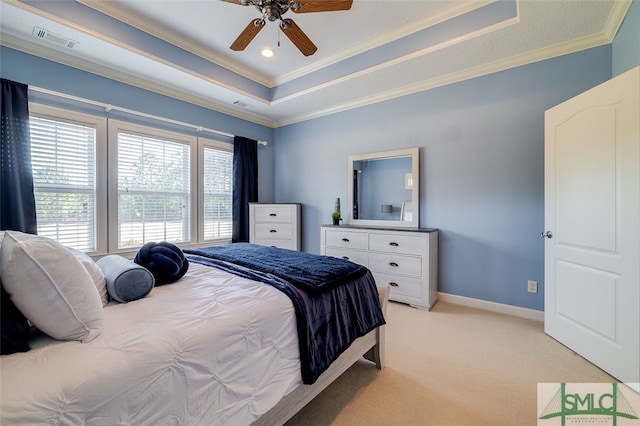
(130, 18)
(402, 59)
(71, 61)
(118, 12)
(616, 17)
(460, 8)
(561, 49)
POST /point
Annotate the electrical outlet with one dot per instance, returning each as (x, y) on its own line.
(532, 286)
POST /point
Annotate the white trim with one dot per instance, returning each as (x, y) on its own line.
(485, 305)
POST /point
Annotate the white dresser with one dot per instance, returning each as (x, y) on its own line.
(404, 259)
(276, 225)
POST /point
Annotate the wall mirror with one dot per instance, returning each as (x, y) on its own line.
(384, 189)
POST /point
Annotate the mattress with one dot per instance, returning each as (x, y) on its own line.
(213, 349)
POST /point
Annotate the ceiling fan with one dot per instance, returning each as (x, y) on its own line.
(273, 10)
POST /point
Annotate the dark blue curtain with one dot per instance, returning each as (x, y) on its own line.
(245, 185)
(17, 202)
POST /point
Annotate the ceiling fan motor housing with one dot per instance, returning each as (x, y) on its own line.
(271, 12)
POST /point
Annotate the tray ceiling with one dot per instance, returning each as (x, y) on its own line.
(377, 50)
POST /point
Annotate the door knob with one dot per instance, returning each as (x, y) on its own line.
(546, 234)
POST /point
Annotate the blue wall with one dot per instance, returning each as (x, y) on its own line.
(626, 46)
(482, 168)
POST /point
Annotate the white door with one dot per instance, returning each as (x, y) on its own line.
(592, 225)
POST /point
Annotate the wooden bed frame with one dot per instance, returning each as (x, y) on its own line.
(371, 346)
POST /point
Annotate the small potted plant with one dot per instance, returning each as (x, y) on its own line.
(336, 217)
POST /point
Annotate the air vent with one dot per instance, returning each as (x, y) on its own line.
(54, 38)
(240, 104)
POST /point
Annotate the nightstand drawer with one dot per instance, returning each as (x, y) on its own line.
(400, 286)
(395, 264)
(396, 243)
(273, 213)
(359, 257)
(272, 231)
(346, 239)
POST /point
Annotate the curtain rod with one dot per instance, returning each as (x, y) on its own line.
(109, 108)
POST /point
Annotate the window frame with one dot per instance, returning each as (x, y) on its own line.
(118, 126)
(100, 124)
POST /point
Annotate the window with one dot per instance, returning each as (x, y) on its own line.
(64, 152)
(158, 185)
(217, 189)
(154, 184)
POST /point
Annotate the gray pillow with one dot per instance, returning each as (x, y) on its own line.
(126, 280)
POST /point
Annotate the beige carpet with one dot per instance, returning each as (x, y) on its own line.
(453, 366)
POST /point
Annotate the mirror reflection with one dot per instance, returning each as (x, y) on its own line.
(381, 187)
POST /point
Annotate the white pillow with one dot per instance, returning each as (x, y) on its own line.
(96, 274)
(50, 287)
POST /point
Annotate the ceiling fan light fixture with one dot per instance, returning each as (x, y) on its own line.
(267, 52)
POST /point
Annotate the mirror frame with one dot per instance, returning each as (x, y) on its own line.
(415, 192)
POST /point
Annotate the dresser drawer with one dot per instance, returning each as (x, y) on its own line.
(396, 243)
(359, 257)
(400, 286)
(395, 264)
(338, 238)
(272, 231)
(286, 244)
(273, 213)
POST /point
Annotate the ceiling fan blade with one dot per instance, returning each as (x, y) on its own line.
(234, 2)
(308, 6)
(247, 35)
(298, 37)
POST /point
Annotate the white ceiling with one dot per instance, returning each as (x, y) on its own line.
(380, 49)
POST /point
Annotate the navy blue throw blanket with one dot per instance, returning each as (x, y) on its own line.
(328, 321)
(310, 272)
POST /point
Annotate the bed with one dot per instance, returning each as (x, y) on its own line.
(217, 346)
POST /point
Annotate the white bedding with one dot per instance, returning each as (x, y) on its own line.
(210, 349)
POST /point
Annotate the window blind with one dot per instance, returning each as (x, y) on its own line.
(218, 187)
(153, 190)
(63, 161)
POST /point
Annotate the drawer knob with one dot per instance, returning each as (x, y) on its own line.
(394, 264)
(392, 284)
(273, 214)
(394, 244)
(346, 240)
(273, 230)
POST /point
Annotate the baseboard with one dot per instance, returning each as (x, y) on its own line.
(492, 306)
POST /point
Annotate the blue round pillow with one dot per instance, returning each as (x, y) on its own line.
(164, 260)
